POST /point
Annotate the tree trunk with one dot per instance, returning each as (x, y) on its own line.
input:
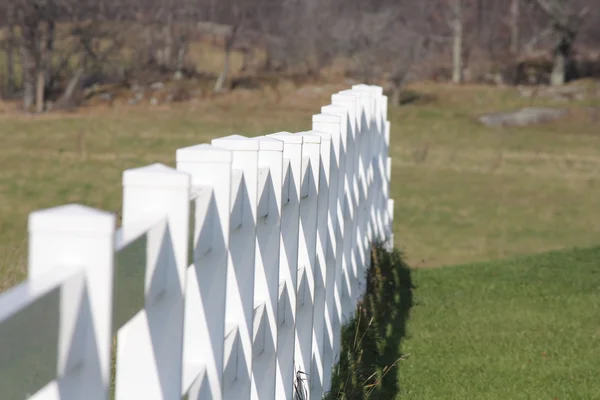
(557, 78)
(67, 97)
(48, 54)
(559, 69)
(150, 56)
(181, 56)
(562, 53)
(396, 95)
(28, 63)
(45, 62)
(225, 72)
(245, 59)
(39, 97)
(223, 75)
(10, 54)
(515, 16)
(457, 42)
(168, 37)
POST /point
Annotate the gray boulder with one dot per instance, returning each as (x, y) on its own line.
(525, 116)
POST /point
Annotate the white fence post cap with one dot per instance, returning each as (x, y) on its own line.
(268, 143)
(287, 137)
(378, 90)
(156, 175)
(325, 136)
(310, 137)
(236, 142)
(348, 92)
(373, 89)
(72, 218)
(328, 109)
(324, 117)
(203, 153)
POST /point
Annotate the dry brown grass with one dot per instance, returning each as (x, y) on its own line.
(463, 192)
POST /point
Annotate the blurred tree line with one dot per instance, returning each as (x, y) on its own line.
(54, 49)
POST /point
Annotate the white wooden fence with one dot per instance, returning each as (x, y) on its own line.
(230, 277)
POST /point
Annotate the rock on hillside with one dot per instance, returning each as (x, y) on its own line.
(525, 116)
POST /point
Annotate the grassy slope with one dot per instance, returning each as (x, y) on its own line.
(526, 328)
(467, 193)
(463, 192)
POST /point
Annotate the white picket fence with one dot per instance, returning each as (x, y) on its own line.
(230, 277)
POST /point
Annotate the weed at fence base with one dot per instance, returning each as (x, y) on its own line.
(370, 343)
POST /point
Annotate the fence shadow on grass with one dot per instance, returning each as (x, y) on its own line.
(370, 352)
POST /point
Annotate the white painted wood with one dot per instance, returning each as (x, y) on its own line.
(382, 155)
(30, 328)
(210, 171)
(359, 239)
(132, 259)
(350, 267)
(376, 162)
(365, 228)
(322, 126)
(150, 345)
(67, 237)
(266, 278)
(307, 253)
(239, 308)
(379, 163)
(380, 159)
(288, 263)
(230, 278)
(388, 177)
(334, 279)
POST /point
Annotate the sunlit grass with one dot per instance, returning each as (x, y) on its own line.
(463, 192)
(526, 328)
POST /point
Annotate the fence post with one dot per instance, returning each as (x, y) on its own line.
(307, 248)
(288, 267)
(381, 160)
(372, 156)
(334, 280)
(266, 287)
(150, 345)
(239, 305)
(81, 237)
(367, 98)
(329, 230)
(389, 215)
(379, 156)
(325, 244)
(350, 267)
(359, 236)
(365, 231)
(204, 331)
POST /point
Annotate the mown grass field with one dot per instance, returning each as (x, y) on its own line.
(464, 192)
(525, 328)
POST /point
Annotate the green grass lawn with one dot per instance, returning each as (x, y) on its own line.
(525, 328)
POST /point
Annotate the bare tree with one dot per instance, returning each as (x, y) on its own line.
(515, 17)
(566, 22)
(238, 17)
(456, 24)
(10, 46)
